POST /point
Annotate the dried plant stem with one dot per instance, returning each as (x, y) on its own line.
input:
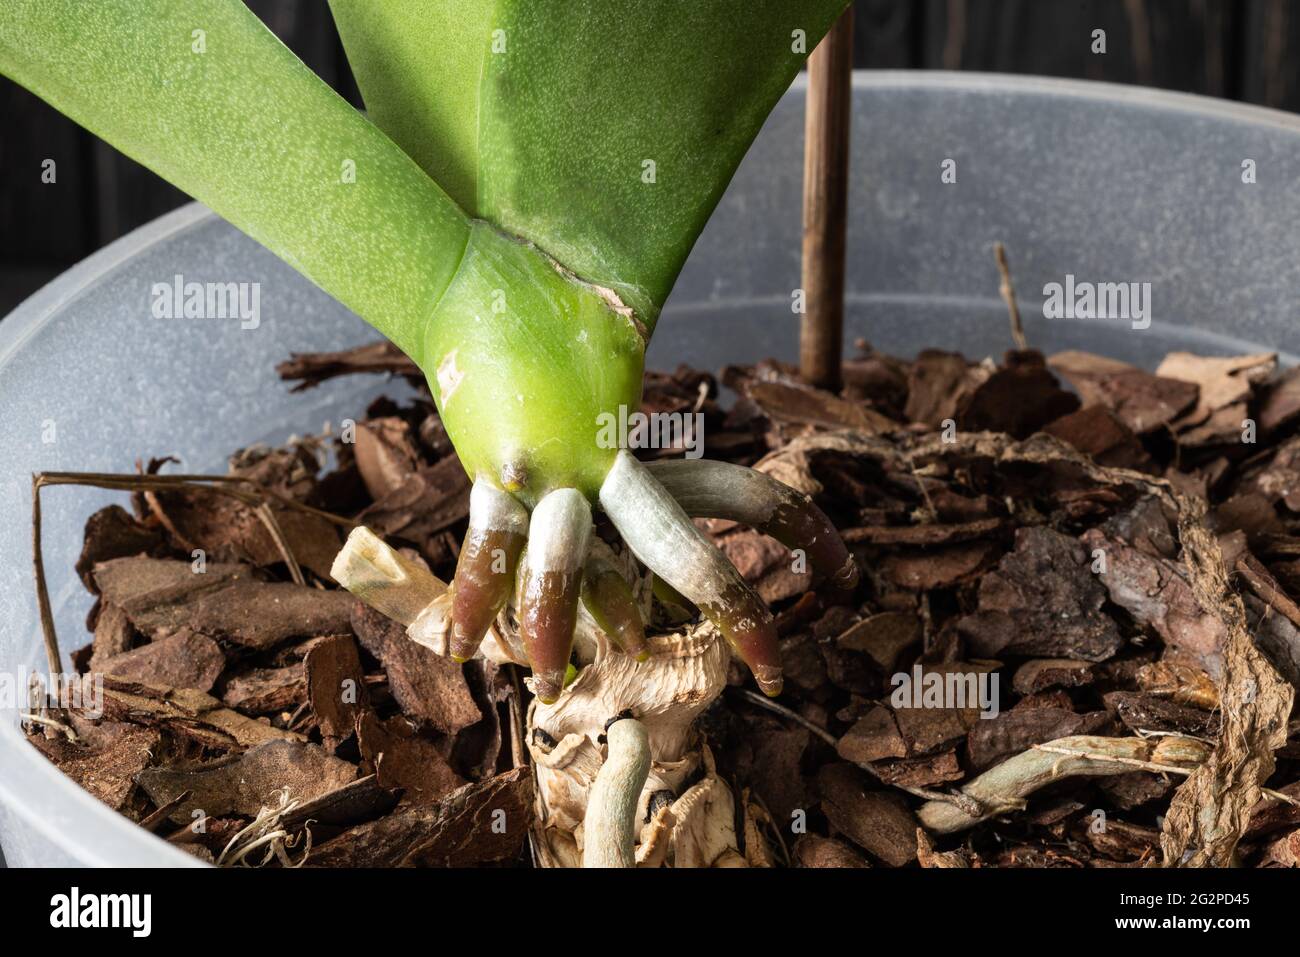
(256, 496)
(160, 815)
(777, 708)
(1273, 795)
(1161, 768)
(1008, 292)
(52, 656)
(253, 493)
(1135, 763)
(64, 729)
(518, 750)
(272, 527)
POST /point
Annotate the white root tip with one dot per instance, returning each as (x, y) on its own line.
(491, 509)
(559, 532)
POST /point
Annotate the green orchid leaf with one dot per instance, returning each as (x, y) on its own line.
(417, 63)
(203, 94)
(605, 131)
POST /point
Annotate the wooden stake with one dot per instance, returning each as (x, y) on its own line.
(825, 204)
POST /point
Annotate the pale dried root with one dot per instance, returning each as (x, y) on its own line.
(408, 593)
(609, 828)
(383, 578)
(1005, 787)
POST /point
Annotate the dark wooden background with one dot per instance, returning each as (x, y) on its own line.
(1237, 49)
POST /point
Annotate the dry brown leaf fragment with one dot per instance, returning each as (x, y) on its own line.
(429, 688)
(1019, 398)
(336, 687)
(401, 758)
(1041, 674)
(110, 533)
(1157, 593)
(385, 454)
(1142, 401)
(481, 823)
(927, 569)
(230, 530)
(812, 850)
(938, 385)
(181, 661)
(220, 600)
(1042, 599)
(243, 784)
(1098, 432)
(107, 765)
(428, 501)
(185, 711)
(266, 690)
(1282, 852)
(875, 737)
(1222, 381)
(877, 821)
(1019, 729)
(930, 858)
(313, 368)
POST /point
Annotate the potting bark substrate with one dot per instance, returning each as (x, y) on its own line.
(1075, 642)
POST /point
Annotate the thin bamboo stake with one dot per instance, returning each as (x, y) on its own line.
(825, 204)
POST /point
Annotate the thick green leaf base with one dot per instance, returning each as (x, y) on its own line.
(523, 359)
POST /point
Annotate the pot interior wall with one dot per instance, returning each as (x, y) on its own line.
(1103, 183)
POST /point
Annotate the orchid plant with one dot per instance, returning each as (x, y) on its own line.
(511, 210)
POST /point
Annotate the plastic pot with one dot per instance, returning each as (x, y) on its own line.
(1109, 184)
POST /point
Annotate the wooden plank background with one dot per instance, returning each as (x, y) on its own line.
(1238, 49)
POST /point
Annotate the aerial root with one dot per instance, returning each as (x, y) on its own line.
(550, 584)
(609, 599)
(485, 571)
(662, 536)
(710, 489)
